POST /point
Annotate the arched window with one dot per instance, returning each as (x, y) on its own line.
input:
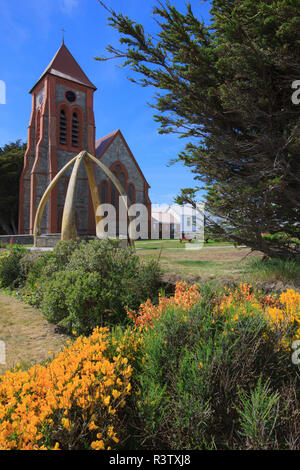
(113, 195)
(103, 193)
(122, 179)
(119, 170)
(38, 126)
(75, 130)
(63, 128)
(131, 193)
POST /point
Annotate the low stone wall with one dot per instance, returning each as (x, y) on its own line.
(46, 240)
(18, 239)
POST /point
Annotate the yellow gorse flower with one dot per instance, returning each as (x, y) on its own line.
(81, 384)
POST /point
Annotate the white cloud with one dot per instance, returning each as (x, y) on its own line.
(68, 6)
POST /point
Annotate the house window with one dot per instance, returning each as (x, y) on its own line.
(63, 128)
(75, 130)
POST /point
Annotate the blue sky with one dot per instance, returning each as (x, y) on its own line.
(30, 36)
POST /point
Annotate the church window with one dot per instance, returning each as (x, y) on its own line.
(75, 130)
(70, 95)
(122, 179)
(131, 193)
(63, 128)
(38, 126)
(113, 195)
(104, 191)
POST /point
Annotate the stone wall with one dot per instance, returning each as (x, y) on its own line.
(18, 239)
(63, 157)
(117, 151)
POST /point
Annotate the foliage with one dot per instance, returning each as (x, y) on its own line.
(73, 402)
(207, 368)
(11, 164)
(11, 273)
(183, 299)
(258, 415)
(227, 87)
(274, 269)
(83, 285)
(237, 303)
(203, 369)
(75, 300)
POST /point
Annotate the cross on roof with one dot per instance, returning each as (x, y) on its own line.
(63, 35)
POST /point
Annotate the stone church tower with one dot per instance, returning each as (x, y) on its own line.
(61, 125)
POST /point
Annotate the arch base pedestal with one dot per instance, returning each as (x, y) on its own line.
(49, 240)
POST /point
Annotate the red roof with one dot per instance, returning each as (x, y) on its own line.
(65, 66)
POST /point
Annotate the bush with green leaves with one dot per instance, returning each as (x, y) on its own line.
(207, 382)
(258, 414)
(82, 285)
(11, 271)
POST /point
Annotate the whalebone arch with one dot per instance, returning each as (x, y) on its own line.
(68, 229)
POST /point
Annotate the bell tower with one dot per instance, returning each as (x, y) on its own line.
(61, 125)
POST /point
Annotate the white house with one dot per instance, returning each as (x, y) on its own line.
(175, 221)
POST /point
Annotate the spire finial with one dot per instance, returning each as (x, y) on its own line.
(63, 35)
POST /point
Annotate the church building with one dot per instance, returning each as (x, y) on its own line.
(61, 125)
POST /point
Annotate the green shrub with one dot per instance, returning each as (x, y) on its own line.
(201, 380)
(258, 413)
(35, 266)
(11, 272)
(72, 300)
(87, 284)
(63, 251)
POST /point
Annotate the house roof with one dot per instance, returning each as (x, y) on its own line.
(65, 66)
(105, 142)
(164, 217)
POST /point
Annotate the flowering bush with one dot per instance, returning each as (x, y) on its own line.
(184, 298)
(282, 311)
(199, 370)
(243, 300)
(216, 372)
(73, 402)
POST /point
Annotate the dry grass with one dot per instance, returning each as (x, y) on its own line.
(27, 335)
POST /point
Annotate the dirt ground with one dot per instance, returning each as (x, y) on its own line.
(27, 336)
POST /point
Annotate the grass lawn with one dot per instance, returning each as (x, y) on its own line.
(219, 261)
(166, 243)
(27, 335)
(213, 260)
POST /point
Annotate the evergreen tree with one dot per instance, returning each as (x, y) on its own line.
(11, 164)
(228, 86)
